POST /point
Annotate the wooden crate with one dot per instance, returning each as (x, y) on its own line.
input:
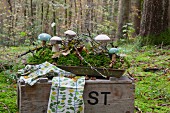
(100, 96)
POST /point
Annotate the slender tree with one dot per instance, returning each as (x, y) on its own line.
(54, 20)
(66, 13)
(137, 16)
(123, 17)
(169, 14)
(1, 17)
(42, 14)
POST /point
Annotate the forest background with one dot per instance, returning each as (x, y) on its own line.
(21, 21)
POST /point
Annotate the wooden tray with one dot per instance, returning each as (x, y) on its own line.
(109, 72)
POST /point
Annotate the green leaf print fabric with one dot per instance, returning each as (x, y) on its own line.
(66, 95)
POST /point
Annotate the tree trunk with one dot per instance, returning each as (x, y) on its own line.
(66, 14)
(80, 16)
(123, 17)
(169, 15)
(70, 14)
(54, 20)
(137, 16)
(31, 7)
(88, 16)
(2, 9)
(154, 17)
(42, 15)
(11, 17)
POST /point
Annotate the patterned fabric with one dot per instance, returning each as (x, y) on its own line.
(66, 95)
(31, 73)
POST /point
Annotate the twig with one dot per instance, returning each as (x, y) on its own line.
(138, 109)
(87, 62)
(89, 33)
(32, 50)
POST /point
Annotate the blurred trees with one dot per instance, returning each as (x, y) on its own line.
(22, 20)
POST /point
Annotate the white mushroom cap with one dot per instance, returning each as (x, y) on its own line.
(55, 40)
(102, 37)
(70, 32)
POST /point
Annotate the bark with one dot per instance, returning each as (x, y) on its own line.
(154, 17)
(47, 12)
(54, 20)
(47, 21)
(70, 14)
(169, 15)
(31, 7)
(81, 16)
(112, 9)
(137, 16)
(2, 9)
(66, 15)
(75, 22)
(123, 17)
(11, 17)
(104, 15)
(89, 15)
(88, 19)
(42, 15)
(33, 13)
(92, 16)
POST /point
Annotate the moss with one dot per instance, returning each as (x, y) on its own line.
(96, 60)
(41, 56)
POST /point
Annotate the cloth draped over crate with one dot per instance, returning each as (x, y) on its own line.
(66, 94)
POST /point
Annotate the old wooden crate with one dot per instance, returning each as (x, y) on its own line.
(100, 96)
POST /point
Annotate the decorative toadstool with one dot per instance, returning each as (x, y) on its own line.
(44, 37)
(103, 39)
(112, 52)
(70, 33)
(70, 37)
(55, 41)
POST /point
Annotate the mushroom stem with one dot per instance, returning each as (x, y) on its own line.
(113, 60)
(43, 42)
(55, 48)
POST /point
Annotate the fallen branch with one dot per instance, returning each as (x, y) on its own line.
(31, 51)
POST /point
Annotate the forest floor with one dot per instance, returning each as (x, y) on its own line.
(150, 68)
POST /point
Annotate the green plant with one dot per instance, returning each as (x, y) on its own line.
(128, 31)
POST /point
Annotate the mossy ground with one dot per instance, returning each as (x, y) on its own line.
(150, 67)
(8, 98)
(152, 92)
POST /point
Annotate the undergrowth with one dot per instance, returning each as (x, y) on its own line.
(163, 38)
